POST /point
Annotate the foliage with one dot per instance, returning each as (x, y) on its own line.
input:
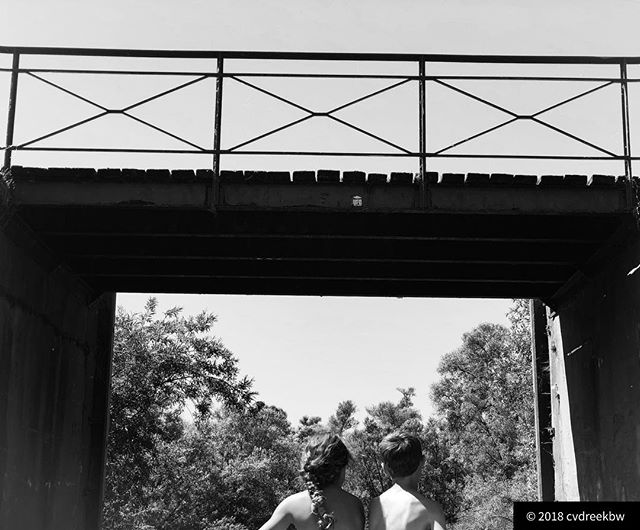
(343, 419)
(160, 364)
(307, 427)
(484, 400)
(444, 475)
(489, 503)
(227, 471)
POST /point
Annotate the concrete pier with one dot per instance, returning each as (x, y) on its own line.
(594, 340)
(55, 356)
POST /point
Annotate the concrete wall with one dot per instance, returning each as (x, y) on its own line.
(55, 355)
(594, 338)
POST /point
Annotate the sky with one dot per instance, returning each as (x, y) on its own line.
(307, 353)
(556, 27)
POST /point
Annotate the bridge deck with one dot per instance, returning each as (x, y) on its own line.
(323, 233)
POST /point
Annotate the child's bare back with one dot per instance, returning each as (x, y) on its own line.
(400, 509)
(296, 511)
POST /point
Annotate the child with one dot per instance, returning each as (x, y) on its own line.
(324, 504)
(401, 507)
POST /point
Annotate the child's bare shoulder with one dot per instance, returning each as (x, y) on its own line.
(296, 504)
(352, 497)
(397, 499)
(431, 509)
(353, 500)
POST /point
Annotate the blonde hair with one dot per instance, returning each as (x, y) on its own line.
(324, 458)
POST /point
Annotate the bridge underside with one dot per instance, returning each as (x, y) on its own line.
(476, 236)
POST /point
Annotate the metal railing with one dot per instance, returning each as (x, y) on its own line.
(421, 65)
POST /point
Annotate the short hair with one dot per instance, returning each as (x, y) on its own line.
(401, 452)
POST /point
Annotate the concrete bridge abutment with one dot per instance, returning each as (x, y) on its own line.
(594, 359)
(55, 356)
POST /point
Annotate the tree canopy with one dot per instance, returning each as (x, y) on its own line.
(160, 364)
(484, 401)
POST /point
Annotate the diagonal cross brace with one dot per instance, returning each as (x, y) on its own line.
(105, 111)
(314, 114)
(516, 117)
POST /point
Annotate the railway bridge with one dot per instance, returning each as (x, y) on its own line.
(73, 234)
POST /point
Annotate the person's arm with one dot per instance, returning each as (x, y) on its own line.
(279, 520)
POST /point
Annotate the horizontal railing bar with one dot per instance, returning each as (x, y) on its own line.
(209, 74)
(321, 75)
(317, 153)
(205, 152)
(115, 150)
(528, 157)
(319, 56)
(112, 72)
(430, 77)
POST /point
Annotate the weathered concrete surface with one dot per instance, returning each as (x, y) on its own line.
(55, 353)
(594, 337)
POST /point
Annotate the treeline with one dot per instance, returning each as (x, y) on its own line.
(229, 468)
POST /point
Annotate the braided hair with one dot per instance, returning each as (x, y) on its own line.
(324, 458)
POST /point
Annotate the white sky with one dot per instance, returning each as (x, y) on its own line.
(309, 353)
(581, 27)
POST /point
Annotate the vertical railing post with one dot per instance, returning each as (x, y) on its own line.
(214, 197)
(11, 115)
(626, 134)
(422, 109)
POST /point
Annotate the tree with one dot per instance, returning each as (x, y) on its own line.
(484, 400)
(160, 363)
(228, 471)
(478, 396)
(444, 476)
(308, 426)
(343, 419)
